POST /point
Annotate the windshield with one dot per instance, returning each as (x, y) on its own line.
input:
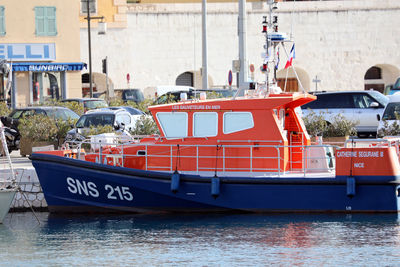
(16, 114)
(397, 84)
(134, 95)
(392, 111)
(382, 99)
(93, 104)
(95, 120)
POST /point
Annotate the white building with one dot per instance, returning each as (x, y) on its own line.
(349, 45)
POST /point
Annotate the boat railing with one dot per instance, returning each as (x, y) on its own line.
(387, 141)
(222, 158)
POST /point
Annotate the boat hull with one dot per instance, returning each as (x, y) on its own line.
(71, 185)
(6, 197)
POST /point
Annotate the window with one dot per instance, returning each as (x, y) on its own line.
(124, 118)
(373, 73)
(2, 21)
(363, 100)
(392, 111)
(92, 6)
(205, 124)
(325, 101)
(237, 121)
(45, 19)
(173, 124)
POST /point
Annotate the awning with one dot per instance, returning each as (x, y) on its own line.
(40, 67)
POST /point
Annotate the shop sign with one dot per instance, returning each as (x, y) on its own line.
(28, 52)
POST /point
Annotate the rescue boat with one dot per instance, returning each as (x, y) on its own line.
(249, 154)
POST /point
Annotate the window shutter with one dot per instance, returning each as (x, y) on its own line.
(46, 22)
(92, 6)
(39, 20)
(51, 21)
(2, 21)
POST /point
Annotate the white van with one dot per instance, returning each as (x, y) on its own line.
(157, 91)
(389, 124)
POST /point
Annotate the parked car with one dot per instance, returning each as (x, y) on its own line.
(135, 95)
(88, 103)
(390, 116)
(160, 90)
(11, 121)
(193, 93)
(119, 119)
(361, 107)
(131, 110)
(51, 111)
(392, 89)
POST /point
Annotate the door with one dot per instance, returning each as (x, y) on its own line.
(364, 113)
(291, 84)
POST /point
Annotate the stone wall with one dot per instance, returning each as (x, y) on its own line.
(336, 40)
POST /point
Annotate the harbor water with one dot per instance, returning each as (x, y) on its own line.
(200, 240)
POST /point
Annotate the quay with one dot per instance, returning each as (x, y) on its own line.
(31, 194)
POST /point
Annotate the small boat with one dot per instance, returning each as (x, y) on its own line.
(244, 154)
(8, 185)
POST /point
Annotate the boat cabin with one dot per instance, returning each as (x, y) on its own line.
(263, 134)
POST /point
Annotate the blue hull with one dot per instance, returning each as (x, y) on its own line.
(77, 186)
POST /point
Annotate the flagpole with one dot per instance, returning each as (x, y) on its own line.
(295, 73)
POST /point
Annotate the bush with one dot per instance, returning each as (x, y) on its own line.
(4, 110)
(391, 129)
(341, 127)
(38, 128)
(62, 128)
(145, 126)
(316, 125)
(43, 128)
(99, 129)
(116, 103)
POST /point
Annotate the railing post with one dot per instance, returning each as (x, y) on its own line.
(123, 156)
(170, 168)
(279, 161)
(197, 159)
(304, 148)
(223, 158)
(251, 158)
(146, 157)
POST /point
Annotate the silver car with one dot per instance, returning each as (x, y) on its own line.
(361, 107)
(118, 119)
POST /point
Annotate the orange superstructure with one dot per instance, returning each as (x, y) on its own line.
(256, 134)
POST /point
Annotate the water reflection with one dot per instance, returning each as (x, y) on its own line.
(199, 239)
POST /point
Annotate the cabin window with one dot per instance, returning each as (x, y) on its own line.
(173, 124)
(237, 121)
(205, 124)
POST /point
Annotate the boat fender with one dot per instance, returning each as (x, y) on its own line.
(175, 179)
(215, 186)
(351, 187)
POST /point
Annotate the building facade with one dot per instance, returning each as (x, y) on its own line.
(340, 45)
(40, 40)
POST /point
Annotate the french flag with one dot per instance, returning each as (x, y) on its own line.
(277, 59)
(291, 57)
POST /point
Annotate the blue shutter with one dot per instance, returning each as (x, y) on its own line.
(51, 21)
(2, 21)
(39, 21)
(45, 18)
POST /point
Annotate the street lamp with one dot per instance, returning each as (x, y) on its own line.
(102, 30)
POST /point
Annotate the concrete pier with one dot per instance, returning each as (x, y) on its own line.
(31, 194)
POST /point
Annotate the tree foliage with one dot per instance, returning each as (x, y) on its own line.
(317, 125)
